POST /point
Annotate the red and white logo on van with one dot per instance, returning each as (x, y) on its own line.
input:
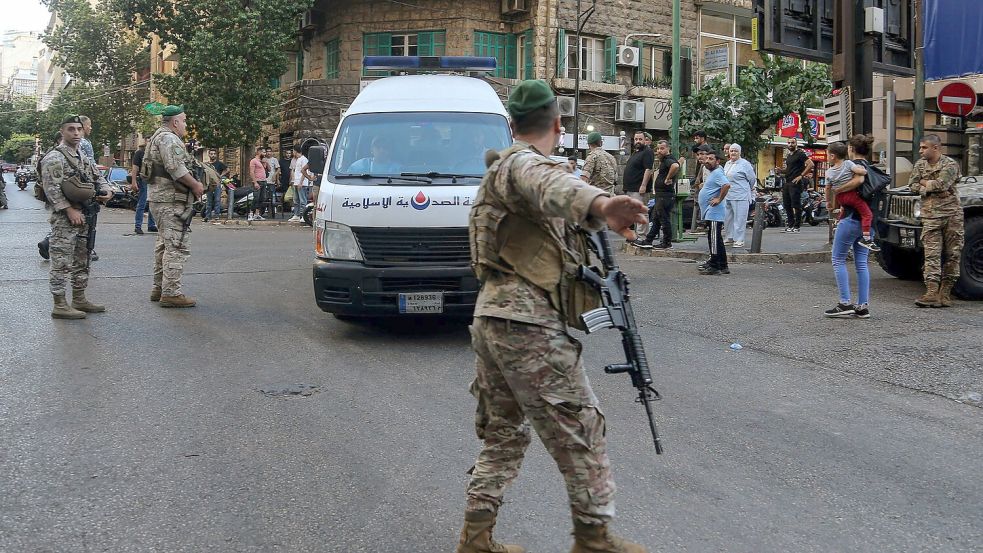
(421, 201)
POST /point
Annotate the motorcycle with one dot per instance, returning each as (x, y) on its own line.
(774, 210)
(814, 209)
(22, 179)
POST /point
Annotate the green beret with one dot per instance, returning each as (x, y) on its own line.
(529, 96)
(72, 119)
(648, 136)
(171, 111)
(594, 138)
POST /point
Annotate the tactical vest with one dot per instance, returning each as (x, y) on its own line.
(78, 188)
(533, 250)
(162, 186)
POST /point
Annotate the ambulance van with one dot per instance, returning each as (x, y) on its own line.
(400, 176)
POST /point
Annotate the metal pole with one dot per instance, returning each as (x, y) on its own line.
(580, 65)
(918, 118)
(759, 224)
(892, 134)
(676, 80)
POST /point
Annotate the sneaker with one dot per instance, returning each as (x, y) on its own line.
(643, 243)
(250, 217)
(729, 242)
(788, 229)
(151, 229)
(137, 230)
(216, 222)
(796, 229)
(259, 218)
(663, 245)
(739, 244)
(95, 256)
(295, 219)
(841, 311)
(204, 219)
(714, 271)
(861, 312)
(869, 244)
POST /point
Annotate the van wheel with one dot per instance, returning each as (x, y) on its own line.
(970, 284)
(900, 263)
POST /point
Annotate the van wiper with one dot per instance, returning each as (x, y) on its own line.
(389, 178)
(436, 175)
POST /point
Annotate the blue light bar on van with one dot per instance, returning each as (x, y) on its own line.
(433, 63)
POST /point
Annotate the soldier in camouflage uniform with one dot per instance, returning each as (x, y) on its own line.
(600, 168)
(528, 368)
(172, 191)
(62, 169)
(934, 178)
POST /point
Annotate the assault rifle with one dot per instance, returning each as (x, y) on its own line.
(616, 312)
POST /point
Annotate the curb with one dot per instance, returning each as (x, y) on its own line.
(781, 258)
(266, 223)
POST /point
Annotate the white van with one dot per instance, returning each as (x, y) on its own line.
(391, 224)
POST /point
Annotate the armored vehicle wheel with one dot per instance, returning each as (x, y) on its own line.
(900, 263)
(970, 284)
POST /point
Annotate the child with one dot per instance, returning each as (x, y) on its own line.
(841, 172)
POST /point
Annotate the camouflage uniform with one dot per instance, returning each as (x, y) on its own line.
(601, 170)
(529, 369)
(942, 218)
(69, 256)
(167, 160)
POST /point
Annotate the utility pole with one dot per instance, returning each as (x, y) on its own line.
(676, 81)
(918, 117)
(581, 22)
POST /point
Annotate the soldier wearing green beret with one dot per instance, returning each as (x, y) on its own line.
(524, 248)
(173, 188)
(600, 168)
(70, 181)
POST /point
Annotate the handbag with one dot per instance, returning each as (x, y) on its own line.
(875, 181)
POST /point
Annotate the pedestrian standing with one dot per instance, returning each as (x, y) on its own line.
(298, 180)
(257, 173)
(84, 145)
(138, 185)
(600, 167)
(213, 207)
(699, 175)
(664, 191)
(528, 367)
(173, 190)
(712, 209)
(798, 169)
(272, 178)
(841, 172)
(934, 179)
(741, 176)
(70, 181)
(638, 169)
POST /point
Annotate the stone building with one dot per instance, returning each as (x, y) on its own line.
(530, 39)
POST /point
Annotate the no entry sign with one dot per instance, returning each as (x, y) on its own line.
(957, 99)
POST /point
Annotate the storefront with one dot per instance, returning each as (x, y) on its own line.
(773, 156)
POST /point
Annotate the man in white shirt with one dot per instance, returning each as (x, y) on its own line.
(298, 168)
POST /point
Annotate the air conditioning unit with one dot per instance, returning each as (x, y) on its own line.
(309, 21)
(628, 55)
(567, 106)
(510, 7)
(629, 111)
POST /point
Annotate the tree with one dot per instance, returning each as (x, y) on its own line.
(763, 95)
(18, 116)
(93, 44)
(18, 148)
(231, 52)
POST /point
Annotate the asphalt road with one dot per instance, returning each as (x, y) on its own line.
(142, 429)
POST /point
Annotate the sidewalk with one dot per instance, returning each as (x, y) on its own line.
(809, 246)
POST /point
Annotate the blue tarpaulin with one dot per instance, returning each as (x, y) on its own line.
(953, 38)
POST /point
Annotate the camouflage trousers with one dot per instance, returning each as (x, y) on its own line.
(532, 375)
(172, 249)
(69, 256)
(942, 238)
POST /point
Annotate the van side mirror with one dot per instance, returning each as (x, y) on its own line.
(316, 159)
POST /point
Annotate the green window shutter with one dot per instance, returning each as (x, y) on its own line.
(667, 63)
(430, 43)
(331, 52)
(376, 44)
(511, 42)
(640, 70)
(275, 83)
(610, 58)
(561, 53)
(300, 65)
(528, 61)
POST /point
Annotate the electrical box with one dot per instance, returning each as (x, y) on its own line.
(874, 20)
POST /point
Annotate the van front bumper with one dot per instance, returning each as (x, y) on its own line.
(354, 289)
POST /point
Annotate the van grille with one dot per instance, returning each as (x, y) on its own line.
(902, 208)
(433, 246)
(400, 284)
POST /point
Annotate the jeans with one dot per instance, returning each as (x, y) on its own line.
(142, 206)
(848, 233)
(662, 218)
(792, 198)
(214, 198)
(300, 200)
(735, 222)
(715, 239)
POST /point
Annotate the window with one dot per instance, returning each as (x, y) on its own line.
(404, 43)
(655, 66)
(523, 55)
(331, 53)
(499, 46)
(592, 51)
(725, 46)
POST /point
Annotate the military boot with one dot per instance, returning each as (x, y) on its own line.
(155, 293)
(596, 538)
(931, 296)
(476, 536)
(82, 304)
(945, 293)
(64, 311)
(177, 301)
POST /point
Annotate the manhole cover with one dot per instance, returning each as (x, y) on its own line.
(290, 389)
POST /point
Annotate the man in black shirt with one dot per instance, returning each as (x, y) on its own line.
(664, 191)
(638, 170)
(798, 169)
(140, 187)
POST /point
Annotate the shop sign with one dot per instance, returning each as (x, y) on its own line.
(815, 155)
(789, 126)
(715, 58)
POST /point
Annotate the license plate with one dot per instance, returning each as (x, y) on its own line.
(907, 238)
(425, 302)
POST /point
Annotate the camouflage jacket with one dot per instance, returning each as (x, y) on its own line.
(166, 161)
(536, 188)
(601, 169)
(55, 168)
(940, 198)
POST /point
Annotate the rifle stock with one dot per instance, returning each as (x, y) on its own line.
(616, 312)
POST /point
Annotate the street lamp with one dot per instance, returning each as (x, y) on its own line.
(581, 22)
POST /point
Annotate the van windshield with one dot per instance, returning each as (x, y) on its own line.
(439, 145)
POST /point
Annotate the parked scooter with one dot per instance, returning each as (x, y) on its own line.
(814, 209)
(774, 210)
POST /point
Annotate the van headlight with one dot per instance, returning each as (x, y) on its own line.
(917, 211)
(334, 241)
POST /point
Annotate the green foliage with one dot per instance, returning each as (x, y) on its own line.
(18, 148)
(230, 53)
(764, 94)
(18, 116)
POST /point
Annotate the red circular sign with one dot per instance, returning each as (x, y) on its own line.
(957, 99)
